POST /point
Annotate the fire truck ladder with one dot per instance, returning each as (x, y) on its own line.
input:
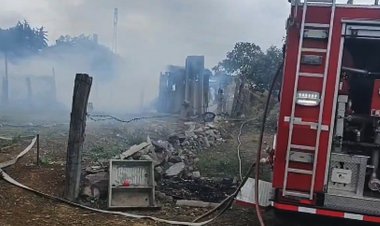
(292, 120)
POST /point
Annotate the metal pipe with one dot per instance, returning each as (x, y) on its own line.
(356, 70)
(374, 182)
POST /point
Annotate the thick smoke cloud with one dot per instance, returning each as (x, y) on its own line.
(151, 34)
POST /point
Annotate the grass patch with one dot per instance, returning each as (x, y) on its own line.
(99, 153)
(221, 161)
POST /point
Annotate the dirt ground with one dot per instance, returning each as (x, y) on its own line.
(20, 207)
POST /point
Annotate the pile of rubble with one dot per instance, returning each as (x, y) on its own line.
(175, 157)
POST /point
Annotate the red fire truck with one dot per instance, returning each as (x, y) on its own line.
(327, 147)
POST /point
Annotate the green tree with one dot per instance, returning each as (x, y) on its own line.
(249, 62)
(271, 61)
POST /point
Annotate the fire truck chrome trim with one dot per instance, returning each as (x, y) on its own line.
(300, 44)
(302, 147)
(315, 75)
(314, 50)
(313, 125)
(317, 25)
(320, 117)
(340, 5)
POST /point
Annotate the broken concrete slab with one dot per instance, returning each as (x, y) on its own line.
(196, 174)
(206, 142)
(161, 145)
(176, 137)
(134, 149)
(175, 159)
(147, 157)
(158, 158)
(175, 169)
(189, 134)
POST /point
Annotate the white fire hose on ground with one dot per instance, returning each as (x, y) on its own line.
(10, 180)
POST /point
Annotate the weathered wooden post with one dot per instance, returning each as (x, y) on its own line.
(76, 135)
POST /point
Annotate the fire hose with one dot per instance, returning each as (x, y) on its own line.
(226, 203)
(10, 180)
(256, 165)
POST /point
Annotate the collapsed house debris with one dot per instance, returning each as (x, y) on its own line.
(174, 161)
(185, 90)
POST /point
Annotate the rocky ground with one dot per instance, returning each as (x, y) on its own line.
(193, 161)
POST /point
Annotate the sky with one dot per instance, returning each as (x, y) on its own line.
(160, 30)
(156, 33)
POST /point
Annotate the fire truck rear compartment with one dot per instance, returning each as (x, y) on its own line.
(353, 181)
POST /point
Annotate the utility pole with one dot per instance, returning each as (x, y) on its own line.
(115, 22)
(82, 88)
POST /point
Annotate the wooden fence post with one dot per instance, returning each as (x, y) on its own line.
(38, 149)
(76, 135)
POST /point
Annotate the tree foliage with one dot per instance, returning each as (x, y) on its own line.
(101, 59)
(76, 41)
(248, 61)
(22, 40)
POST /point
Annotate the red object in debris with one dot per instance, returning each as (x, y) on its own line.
(126, 183)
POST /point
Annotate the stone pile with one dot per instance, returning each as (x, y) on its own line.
(175, 157)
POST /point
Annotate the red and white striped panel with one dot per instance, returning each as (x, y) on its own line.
(324, 212)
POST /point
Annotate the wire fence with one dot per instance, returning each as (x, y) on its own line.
(107, 117)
